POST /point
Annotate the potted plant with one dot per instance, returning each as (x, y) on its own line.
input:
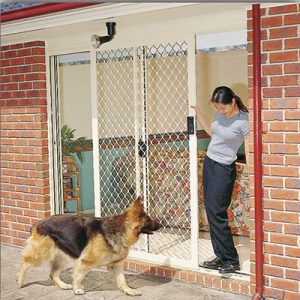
(70, 145)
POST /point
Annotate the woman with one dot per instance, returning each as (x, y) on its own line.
(228, 131)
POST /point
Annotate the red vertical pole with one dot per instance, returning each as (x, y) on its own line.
(258, 194)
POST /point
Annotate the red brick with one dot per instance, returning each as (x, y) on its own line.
(272, 226)
(285, 194)
(292, 92)
(287, 56)
(292, 183)
(274, 249)
(293, 274)
(292, 138)
(284, 80)
(284, 126)
(38, 68)
(273, 138)
(291, 19)
(292, 229)
(292, 43)
(284, 103)
(17, 61)
(34, 59)
(273, 271)
(291, 295)
(273, 159)
(268, 22)
(9, 86)
(285, 171)
(289, 8)
(284, 239)
(24, 69)
(34, 44)
(272, 115)
(272, 92)
(272, 69)
(284, 284)
(18, 77)
(10, 71)
(283, 32)
(5, 48)
(283, 148)
(25, 85)
(293, 68)
(9, 54)
(273, 182)
(24, 52)
(16, 46)
(292, 206)
(271, 45)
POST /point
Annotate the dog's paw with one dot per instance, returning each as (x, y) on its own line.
(79, 291)
(132, 292)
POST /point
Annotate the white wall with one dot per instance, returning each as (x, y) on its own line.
(214, 69)
(75, 98)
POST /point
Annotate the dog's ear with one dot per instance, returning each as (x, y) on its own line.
(136, 205)
(140, 198)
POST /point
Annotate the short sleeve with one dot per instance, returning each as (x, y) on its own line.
(245, 125)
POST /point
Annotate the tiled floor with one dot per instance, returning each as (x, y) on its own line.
(97, 284)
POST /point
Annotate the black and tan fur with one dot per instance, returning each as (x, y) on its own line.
(91, 242)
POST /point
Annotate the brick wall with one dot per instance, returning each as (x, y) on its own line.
(24, 140)
(281, 139)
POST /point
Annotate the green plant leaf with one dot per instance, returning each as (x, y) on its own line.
(69, 145)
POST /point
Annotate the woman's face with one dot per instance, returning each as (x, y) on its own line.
(227, 110)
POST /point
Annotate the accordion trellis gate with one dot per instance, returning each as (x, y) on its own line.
(142, 145)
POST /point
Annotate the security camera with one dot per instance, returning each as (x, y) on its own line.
(97, 40)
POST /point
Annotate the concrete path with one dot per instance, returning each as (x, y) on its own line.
(97, 285)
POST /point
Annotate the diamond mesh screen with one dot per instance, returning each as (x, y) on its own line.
(143, 143)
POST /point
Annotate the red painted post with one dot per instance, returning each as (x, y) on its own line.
(257, 152)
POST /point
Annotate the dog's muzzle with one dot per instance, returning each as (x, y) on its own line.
(149, 228)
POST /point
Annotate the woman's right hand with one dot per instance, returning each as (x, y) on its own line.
(202, 120)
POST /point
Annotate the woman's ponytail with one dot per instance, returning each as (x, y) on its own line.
(240, 103)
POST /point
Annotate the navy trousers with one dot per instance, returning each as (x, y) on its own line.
(218, 182)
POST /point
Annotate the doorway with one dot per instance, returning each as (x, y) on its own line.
(72, 172)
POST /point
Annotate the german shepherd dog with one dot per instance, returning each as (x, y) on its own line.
(91, 242)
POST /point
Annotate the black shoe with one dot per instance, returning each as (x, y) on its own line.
(228, 267)
(214, 264)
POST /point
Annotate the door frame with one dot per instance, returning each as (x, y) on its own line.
(193, 262)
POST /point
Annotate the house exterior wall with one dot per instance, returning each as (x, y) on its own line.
(281, 161)
(25, 160)
(24, 140)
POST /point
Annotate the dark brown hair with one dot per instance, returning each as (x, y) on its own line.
(224, 95)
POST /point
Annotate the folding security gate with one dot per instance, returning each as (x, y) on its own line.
(142, 147)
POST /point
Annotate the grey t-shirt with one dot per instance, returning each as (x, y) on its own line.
(227, 136)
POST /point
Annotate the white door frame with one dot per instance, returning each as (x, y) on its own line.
(150, 257)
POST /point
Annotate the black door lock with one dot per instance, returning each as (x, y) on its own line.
(190, 125)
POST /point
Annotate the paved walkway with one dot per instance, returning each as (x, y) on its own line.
(37, 286)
